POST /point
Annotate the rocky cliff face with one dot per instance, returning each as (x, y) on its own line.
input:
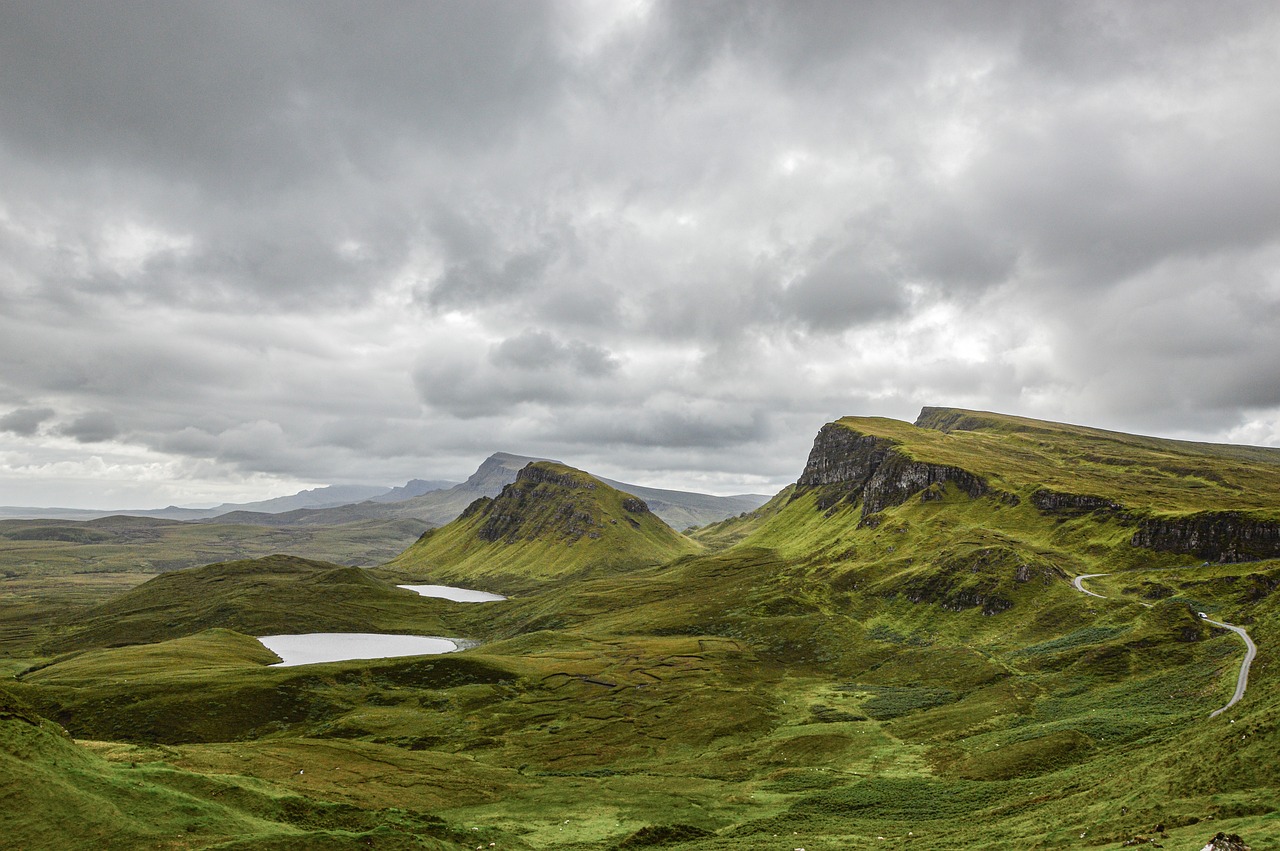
(1056, 502)
(846, 465)
(1225, 536)
(842, 456)
(544, 474)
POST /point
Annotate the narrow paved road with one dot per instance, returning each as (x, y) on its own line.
(1079, 587)
(1251, 649)
(1243, 682)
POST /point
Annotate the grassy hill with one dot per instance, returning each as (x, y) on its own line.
(60, 796)
(552, 522)
(890, 653)
(678, 509)
(276, 594)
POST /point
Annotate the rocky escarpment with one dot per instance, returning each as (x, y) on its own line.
(552, 522)
(845, 465)
(1073, 504)
(547, 474)
(1226, 536)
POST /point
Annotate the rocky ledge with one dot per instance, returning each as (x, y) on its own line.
(1223, 536)
(1056, 502)
(845, 465)
(544, 473)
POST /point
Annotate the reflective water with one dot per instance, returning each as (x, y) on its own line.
(458, 595)
(315, 647)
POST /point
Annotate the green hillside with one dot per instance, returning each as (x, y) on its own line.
(552, 522)
(891, 653)
(277, 594)
(1148, 475)
(59, 796)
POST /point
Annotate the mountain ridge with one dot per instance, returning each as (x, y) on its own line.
(553, 521)
(892, 647)
(679, 509)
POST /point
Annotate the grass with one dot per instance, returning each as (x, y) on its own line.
(277, 594)
(553, 522)
(799, 679)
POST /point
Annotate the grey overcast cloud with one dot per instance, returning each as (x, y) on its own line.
(251, 247)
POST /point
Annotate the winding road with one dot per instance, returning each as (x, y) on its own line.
(1251, 649)
(1079, 580)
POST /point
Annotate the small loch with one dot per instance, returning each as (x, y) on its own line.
(458, 595)
(316, 647)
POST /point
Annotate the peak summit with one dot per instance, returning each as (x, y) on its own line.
(552, 521)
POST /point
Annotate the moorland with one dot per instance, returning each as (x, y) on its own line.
(891, 652)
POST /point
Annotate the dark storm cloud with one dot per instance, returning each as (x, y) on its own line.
(320, 241)
(25, 421)
(534, 367)
(267, 136)
(667, 421)
(540, 351)
(94, 427)
(479, 278)
(844, 290)
(265, 93)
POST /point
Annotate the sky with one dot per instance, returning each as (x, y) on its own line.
(252, 247)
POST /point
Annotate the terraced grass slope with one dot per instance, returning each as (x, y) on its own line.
(552, 522)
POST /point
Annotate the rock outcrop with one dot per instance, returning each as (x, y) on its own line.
(1072, 504)
(550, 474)
(845, 465)
(553, 521)
(986, 578)
(1226, 842)
(1225, 536)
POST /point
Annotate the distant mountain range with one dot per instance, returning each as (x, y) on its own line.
(326, 497)
(434, 503)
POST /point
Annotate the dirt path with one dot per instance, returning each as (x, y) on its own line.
(1251, 649)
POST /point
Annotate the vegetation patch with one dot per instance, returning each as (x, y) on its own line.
(905, 799)
(886, 702)
(1027, 758)
(654, 836)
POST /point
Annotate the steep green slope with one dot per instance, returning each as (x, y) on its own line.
(552, 522)
(1169, 496)
(1141, 473)
(890, 654)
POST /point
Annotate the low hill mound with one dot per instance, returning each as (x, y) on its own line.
(552, 522)
(276, 594)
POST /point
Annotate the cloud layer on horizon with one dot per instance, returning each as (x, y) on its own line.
(246, 248)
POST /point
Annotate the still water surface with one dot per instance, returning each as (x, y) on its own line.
(315, 647)
(458, 595)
